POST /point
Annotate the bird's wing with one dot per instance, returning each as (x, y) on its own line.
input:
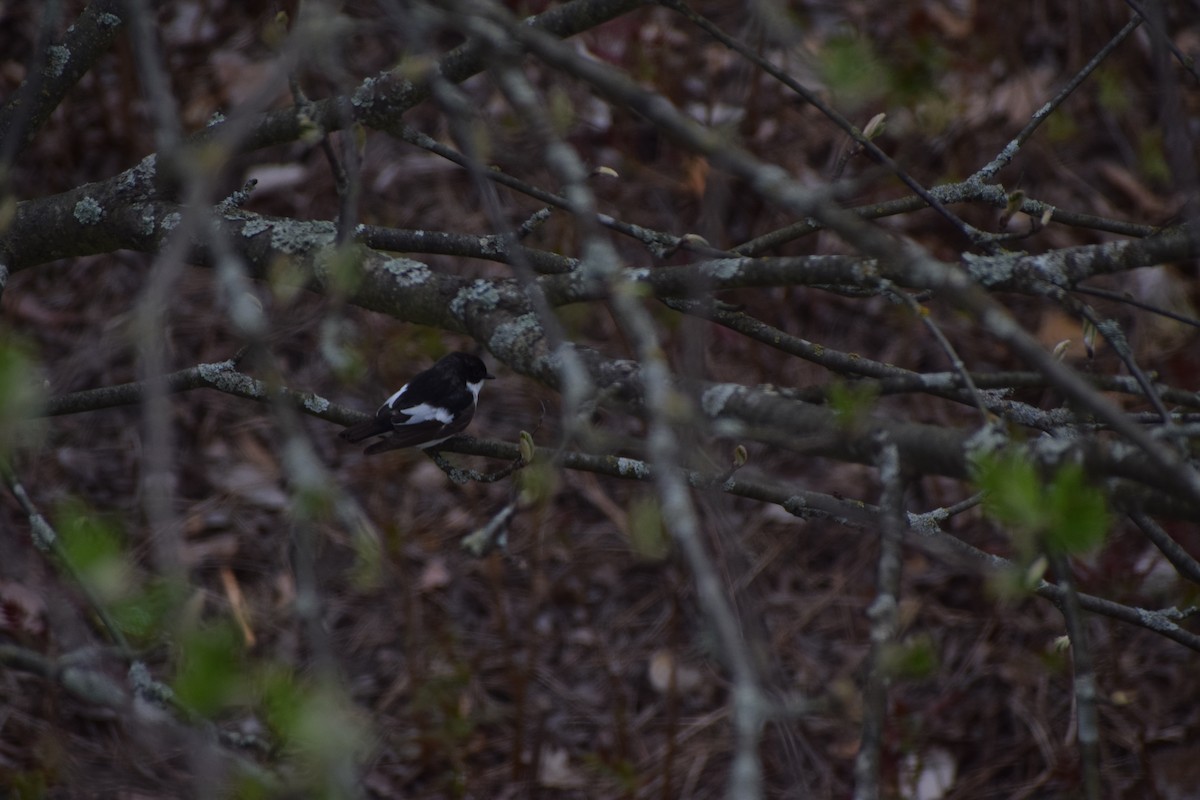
(381, 423)
(423, 432)
(365, 430)
(421, 413)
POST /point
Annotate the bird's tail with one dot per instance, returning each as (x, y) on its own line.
(365, 430)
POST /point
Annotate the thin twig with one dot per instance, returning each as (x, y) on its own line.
(1113, 334)
(905, 259)
(658, 243)
(1185, 61)
(678, 511)
(1183, 562)
(884, 615)
(55, 69)
(46, 538)
(988, 171)
(815, 100)
(493, 247)
(1122, 297)
(956, 362)
(1086, 717)
(949, 194)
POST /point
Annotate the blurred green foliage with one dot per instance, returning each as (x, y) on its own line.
(145, 610)
(860, 74)
(21, 393)
(343, 269)
(647, 535)
(853, 71)
(94, 548)
(852, 403)
(1060, 512)
(538, 483)
(30, 785)
(915, 657)
(1112, 89)
(1152, 157)
(1061, 127)
(212, 673)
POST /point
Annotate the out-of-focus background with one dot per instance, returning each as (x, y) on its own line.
(577, 661)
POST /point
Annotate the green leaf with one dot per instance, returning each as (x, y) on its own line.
(93, 546)
(1013, 490)
(21, 394)
(852, 70)
(329, 731)
(1061, 127)
(647, 535)
(144, 613)
(740, 456)
(1152, 157)
(282, 698)
(561, 110)
(1064, 513)
(30, 785)
(1113, 90)
(342, 268)
(368, 572)
(1015, 583)
(914, 658)
(852, 402)
(539, 483)
(286, 278)
(211, 669)
(1078, 515)
(528, 449)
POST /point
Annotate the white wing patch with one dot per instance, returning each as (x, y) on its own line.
(424, 412)
(388, 403)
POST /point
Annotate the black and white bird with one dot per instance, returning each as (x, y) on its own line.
(435, 405)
